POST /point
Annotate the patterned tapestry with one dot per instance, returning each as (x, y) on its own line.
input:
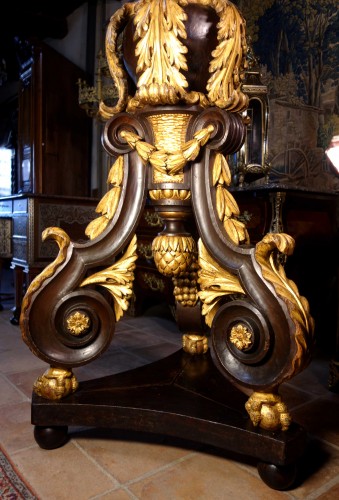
(297, 45)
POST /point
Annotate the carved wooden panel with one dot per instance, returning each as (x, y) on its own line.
(5, 237)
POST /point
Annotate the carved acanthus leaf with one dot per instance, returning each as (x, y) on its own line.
(160, 35)
(64, 242)
(109, 202)
(118, 279)
(229, 61)
(159, 24)
(286, 289)
(215, 282)
(227, 207)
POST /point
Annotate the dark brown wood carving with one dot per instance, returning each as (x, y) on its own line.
(171, 140)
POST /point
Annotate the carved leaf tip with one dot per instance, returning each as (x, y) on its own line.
(118, 279)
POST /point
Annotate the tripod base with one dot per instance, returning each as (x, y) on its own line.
(182, 396)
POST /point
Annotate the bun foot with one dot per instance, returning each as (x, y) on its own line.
(277, 477)
(50, 438)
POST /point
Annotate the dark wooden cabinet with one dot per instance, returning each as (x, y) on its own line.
(311, 219)
(52, 169)
(53, 132)
(26, 216)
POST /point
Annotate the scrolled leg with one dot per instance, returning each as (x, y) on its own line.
(244, 347)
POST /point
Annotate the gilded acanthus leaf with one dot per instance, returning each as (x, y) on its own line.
(231, 203)
(241, 230)
(158, 160)
(225, 170)
(108, 204)
(175, 163)
(220, 199)
(96, 227)
(118, 279)
(215, 282)
(160, 34)
(116, 173)
(191, 149)
(63, 241)
(203, 135)
(298, 307)
(159, 50)
(228, 61)
(232, 230)
(221, 172)
(144, 150)
(226, 206)
(216, 170)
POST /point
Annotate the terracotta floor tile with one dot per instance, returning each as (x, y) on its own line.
(63, 473)
(9, 394)
(319, 466)
(24, 380)
(204, 477)
(331, 494)
(19, 360)
(10, 339)
(16, 431)
(120, 494)
(130, 458)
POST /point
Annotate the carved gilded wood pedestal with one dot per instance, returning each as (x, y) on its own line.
(246, 329)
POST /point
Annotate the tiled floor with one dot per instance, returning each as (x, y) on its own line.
(121, 465)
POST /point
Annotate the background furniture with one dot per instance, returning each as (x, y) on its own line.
(50, 182)
(310, 217)
(26, 216)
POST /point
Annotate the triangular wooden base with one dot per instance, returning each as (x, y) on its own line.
(183, 396)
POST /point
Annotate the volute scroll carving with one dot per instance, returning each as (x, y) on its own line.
(61, 289)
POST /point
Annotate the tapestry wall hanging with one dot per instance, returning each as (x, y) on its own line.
(296, 44)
